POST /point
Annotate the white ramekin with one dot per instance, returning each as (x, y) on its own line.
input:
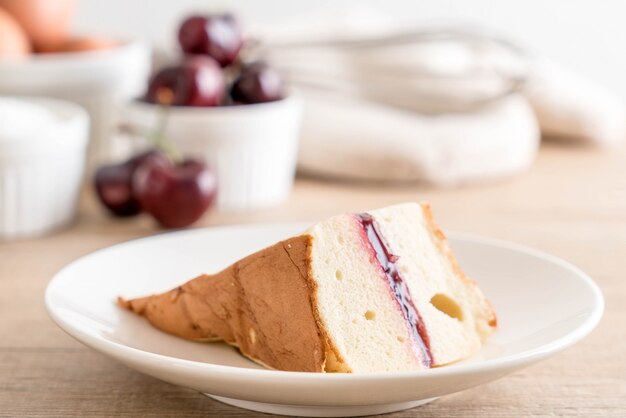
(99, 81)
(253, 148)
(41, 172)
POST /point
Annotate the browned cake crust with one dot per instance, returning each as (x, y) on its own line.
(262, 304)
(445, 249)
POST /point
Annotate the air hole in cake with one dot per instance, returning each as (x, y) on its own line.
(404, 269)
(339, 275)
(401, 338)
(447, 305)
(341, 239)
(370, 315)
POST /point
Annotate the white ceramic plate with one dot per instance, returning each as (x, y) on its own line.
(543, 304)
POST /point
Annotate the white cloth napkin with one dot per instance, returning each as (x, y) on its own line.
(439, 111)
(356, 139)
(574, 108)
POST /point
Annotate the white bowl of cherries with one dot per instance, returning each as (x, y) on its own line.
(233, 117)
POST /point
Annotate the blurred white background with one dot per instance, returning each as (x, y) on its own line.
(587, 36)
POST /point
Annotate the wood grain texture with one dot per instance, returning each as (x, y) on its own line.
(572, 204)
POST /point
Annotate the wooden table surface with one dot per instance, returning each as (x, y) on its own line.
(572, 204)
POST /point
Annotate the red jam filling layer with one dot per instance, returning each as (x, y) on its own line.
(398, 286)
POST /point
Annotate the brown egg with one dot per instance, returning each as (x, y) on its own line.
(86, 43)
(46, 22)
(13, 40)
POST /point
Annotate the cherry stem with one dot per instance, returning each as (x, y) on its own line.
(159, 138)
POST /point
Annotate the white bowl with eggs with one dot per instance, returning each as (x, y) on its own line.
(40, 56)
(100, 81)
(42, 158)
(253, 148)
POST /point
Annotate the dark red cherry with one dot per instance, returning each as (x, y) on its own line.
(218, 36)
(113, 184)
(197, 81)
(258, 83)
(176, 195)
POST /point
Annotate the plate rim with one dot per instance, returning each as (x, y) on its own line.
(164, 362)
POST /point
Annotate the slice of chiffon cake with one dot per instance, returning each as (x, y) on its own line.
(369, 292)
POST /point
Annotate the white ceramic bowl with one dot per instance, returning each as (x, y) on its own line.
(41, 166)
(97, 80)
(253, 148)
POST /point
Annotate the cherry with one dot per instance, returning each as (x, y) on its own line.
(258, 83)
(197, 81)
(114, 184)
(176, 195)
(218, 36)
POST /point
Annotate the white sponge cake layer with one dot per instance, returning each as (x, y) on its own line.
(359, 314)
(456, 315)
